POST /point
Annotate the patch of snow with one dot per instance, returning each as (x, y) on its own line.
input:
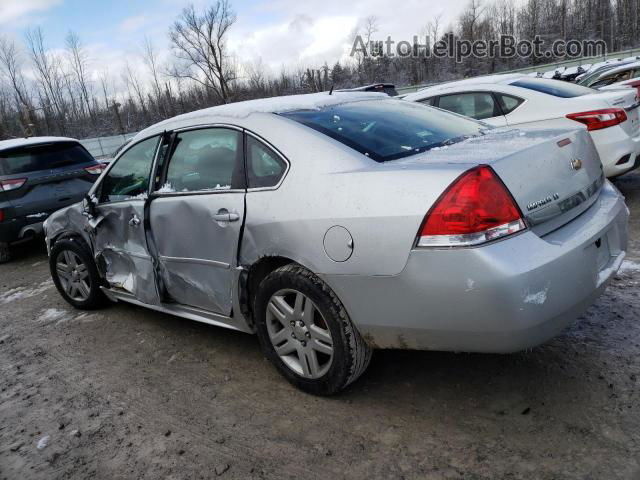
(470, 284)
(20, 293)
(166, 188)
(50, 315)
(629, 266)
(537, 298)
(43, 442)
(141, 196)
(312, 101)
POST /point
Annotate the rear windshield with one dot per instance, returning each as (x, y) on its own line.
(43, 157)
(556, 88)
(388, 129)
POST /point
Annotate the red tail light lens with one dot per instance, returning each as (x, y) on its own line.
(13, 184)
(599, 119)
(1, 215)
(476, 208)
(96, 169)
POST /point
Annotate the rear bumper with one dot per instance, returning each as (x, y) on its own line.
(614, 144)
(19, 229)
(503, 297)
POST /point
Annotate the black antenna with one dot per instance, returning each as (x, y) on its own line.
(331, 91)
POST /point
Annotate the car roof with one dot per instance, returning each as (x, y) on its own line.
(240, 110)
(504, 79)
(23, 142)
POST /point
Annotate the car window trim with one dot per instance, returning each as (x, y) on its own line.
(274, 150)
(171, 151)
(96, 190)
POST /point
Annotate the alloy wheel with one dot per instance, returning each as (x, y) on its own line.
(299, 334)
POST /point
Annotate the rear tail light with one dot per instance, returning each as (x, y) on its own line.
(1, 215)
(96, 169)
(476, 208)
(13, 184)
(599, 119)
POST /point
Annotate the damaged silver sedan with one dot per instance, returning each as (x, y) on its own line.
(331, 225)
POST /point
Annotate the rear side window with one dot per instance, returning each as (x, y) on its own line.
(207, 159)
(557, 88)
(478, 105)
(129, 177)
(43, 157)
(429, 101)
(264, 167)
(508, 103)
(386, 130)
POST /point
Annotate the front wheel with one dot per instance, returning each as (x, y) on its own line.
(75, 275)
(304, 330)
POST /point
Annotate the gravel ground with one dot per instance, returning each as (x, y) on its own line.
(130, 393)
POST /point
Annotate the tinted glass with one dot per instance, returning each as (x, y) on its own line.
(478, 105)
(204, 160)
(387, 129)
(43, 157)
(508, 103)
(264, 167)
(557, 88)
(129, 177)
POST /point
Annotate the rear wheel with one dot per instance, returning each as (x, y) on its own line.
(304, 330)
(75, 275)
(5, 255)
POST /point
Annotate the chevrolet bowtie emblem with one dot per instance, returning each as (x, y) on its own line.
(576, 164)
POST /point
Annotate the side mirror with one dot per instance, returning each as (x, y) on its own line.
(89, 205)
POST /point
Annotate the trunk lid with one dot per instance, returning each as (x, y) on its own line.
(553, 175)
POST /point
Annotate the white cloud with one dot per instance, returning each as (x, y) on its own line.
(316, 31)
(13, 10)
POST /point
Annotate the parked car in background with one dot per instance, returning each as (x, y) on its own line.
(633, 83)
(38, 176)
(331, 225)
(598, 69)
(611, 76)
(611, 117)
(388, 88)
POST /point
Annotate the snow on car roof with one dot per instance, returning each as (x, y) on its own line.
(485, 80)
(22, 142)
(312, 101)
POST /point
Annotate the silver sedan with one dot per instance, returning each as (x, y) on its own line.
(331, 225)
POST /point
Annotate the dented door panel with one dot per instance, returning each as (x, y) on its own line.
(121, 250)
(196, 237)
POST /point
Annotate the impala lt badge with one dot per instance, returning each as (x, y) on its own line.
(542, 202)
(576, 164)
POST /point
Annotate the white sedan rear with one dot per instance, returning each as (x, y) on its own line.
(611, 117)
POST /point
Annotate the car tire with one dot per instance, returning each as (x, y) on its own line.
(5, 254)
(315, 346)
(71, 263)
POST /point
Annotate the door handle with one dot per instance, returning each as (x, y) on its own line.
(135, 221)
(224, 215)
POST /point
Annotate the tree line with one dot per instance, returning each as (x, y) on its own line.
(46, 91)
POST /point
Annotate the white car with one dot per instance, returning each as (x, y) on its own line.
(611, 117)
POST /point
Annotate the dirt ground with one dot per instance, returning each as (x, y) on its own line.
(130, 393)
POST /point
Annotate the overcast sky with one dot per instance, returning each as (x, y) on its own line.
(282, 33)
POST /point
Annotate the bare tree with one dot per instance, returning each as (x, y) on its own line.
(150, 58)
(199, 44)
(78, 59)
(11, 69)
